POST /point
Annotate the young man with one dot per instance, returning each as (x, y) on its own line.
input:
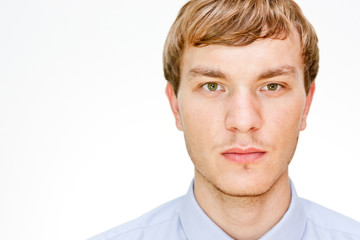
(240, 84)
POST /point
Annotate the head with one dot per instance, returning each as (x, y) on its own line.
(238, 23)
(240, 84)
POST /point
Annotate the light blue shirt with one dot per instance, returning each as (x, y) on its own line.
(183, 219)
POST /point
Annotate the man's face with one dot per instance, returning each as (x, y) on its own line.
(241, 110)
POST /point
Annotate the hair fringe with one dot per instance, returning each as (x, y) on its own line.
(238, 23)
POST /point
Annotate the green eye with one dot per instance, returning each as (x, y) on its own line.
(273, 86)
(212, 86)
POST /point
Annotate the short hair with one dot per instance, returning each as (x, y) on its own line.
(238, 23)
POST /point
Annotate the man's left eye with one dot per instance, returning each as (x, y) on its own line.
(271, 87)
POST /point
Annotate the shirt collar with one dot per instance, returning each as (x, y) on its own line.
(197, 225)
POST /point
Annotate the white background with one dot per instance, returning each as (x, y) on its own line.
(87, 139)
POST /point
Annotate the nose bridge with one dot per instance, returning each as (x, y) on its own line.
(243, 112)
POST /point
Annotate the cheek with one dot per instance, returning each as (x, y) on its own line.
(202, 125)
(286, 112)
(201, 117)
(288, 118)
(283, 126)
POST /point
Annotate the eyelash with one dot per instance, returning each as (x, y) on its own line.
(278, 87)
(205, 86)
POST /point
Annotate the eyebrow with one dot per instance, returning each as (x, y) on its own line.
(214, 73)
(206, 72)
(284, 70)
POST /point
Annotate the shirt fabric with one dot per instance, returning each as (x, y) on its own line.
(183, 219)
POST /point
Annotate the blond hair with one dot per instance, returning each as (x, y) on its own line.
(238, 23)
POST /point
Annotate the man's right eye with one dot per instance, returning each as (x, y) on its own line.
(212, 86)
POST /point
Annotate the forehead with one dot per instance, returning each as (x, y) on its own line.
(254, 58)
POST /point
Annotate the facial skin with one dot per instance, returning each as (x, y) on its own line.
(258, 102)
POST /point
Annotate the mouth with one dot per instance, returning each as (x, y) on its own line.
(243, 156)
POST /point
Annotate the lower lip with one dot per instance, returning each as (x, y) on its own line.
(244, 158)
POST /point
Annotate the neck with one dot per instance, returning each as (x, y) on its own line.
(244, 218)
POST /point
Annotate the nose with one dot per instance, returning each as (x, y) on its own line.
(243, 113)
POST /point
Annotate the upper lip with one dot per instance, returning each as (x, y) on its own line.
(237, 150)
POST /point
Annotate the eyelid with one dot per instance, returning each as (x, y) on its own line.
(280, 86)
(203, 85)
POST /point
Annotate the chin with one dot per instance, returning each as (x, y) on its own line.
(244, 191)
(245, 187)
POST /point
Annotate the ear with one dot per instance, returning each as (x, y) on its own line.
(173, 100)
(309, 98)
